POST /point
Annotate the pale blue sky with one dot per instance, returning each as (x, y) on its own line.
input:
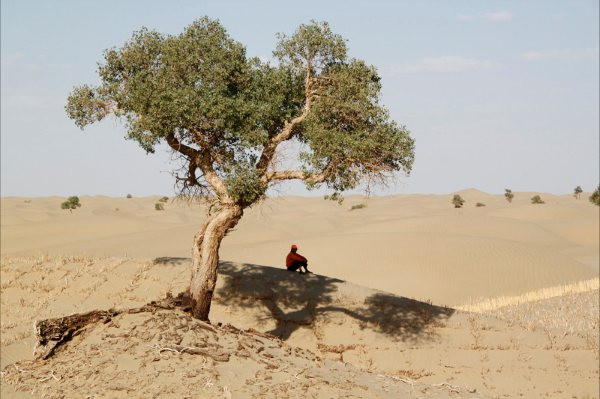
(496, 93)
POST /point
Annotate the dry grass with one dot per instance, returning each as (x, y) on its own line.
(491, 304)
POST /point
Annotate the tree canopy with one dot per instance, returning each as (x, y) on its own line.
(225, 113)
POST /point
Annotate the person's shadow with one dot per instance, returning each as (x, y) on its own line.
(294, 300)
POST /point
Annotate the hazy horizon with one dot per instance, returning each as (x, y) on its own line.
(501, 94)
(307, 194)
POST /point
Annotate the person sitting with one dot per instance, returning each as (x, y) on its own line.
(295, 261)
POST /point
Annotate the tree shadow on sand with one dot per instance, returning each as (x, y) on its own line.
(294, 300)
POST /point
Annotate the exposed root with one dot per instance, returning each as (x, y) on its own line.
(53, 333)
(216, 355)
(445, 385)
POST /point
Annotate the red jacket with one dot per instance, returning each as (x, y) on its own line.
(291, 257)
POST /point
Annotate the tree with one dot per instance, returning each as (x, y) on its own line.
(508, 194)
(577, 192)
(595, 197)
(536, 199)
(71, 203)
(225, 115)
(458, 201)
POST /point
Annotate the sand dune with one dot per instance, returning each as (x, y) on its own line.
(378, 319)
(414, 245)
(330, 338)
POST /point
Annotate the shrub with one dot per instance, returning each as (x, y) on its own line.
(71, 203)
(163, 199)
(129, 196)
(508, 194)
(457, 201)
(335, 197)
(577, 192)
(595, 197)
(159, 207)
(358, 206)
(536, 199)
(479, 204)
(27, 201)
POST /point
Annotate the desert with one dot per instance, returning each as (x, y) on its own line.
(283, 199)
(410, 297)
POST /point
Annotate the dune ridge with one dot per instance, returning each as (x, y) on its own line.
(412, 245)
(531, 296)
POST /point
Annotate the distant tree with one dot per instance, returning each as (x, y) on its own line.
(508, 194)
(164, 199)
(577, 192)
(536, 199)
(71, 203)
(129, 196)
(337, 197)
(457, 201)
(159, 207)
(595, 197)
(479, 204)
(225, 115)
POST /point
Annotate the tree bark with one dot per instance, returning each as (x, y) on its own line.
(205, 257)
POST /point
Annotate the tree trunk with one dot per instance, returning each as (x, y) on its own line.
(205, 257)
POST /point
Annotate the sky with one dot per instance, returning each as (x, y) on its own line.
(497, 94)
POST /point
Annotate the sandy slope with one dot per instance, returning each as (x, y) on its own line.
(415, 246)
(336, 339)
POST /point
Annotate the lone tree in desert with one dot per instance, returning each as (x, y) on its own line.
(226, 116)
(595, 197)
(508, 194)
(458, 201)
(577, 192)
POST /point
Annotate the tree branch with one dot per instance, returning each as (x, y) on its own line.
(180, 147)
(203, 160)
(296, 174)
(289, 126)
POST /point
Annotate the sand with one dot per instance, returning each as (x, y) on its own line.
(379, 319)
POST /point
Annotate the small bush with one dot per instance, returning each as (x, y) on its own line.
(71, 203)
(536, 199)
(159, 207)
(595, 197)
(163, 199)
(27, 201)
(129, 196)
(479, 204)
(358, 206)
(457, 201)
(335, 197)
(508, 194)
(577, 192)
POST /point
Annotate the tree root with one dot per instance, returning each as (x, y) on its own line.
(192, 350)
(53, 333)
